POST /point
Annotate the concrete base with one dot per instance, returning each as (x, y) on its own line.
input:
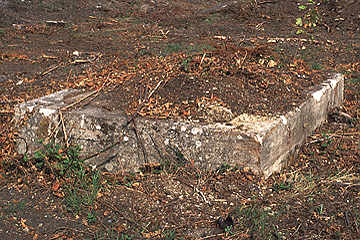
(264, 144)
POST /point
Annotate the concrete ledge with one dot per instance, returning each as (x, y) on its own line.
(264, 144)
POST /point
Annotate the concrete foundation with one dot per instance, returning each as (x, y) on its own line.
(109, 140)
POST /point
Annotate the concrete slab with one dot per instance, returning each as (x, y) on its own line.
(110, 141)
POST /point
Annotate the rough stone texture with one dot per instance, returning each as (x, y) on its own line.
(109, 140)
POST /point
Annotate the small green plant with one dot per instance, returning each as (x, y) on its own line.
(277, 187)
(327, 140)
(320, 209)
(71, 163)
(316, 66)
(128, 180)
(93, 188)
(125, 237)
(223, 168)
(184, 66)
(111, 233)
(199, 48)
(25, 158)
(91, 217)
(310, 199)
(81, 184)
(256, 219)
(170, 235)
(82, 192)
(228, 230)
(191, 49)
(73, 199)
(63, 162)
(354, 81)
(310, 18)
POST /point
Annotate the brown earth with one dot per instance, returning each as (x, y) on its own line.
(176, 59)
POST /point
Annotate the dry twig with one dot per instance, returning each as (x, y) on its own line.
(78, 101)
(96, 92)
(64, 129)
(52, 69)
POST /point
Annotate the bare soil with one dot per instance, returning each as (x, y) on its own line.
(176, 59)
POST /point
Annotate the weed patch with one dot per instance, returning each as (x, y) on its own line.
(79, 183)
(310, 18)
(259, 221)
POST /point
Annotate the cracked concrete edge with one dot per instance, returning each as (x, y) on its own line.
(300, 123)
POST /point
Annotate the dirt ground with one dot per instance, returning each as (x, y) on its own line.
(175, 59)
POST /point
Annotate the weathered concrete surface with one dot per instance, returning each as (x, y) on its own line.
(264, 144)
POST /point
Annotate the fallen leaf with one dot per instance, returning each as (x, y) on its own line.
(56, 186)
(99, 195)
(272, 63)
(22, 222)
(35, 236)
(249, 177)
(120, 228)
(59, 194)
(136, 184)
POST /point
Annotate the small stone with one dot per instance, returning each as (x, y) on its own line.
(272, 63)
(109, 167)
(196, 131)
(145, 8)
(3, 78)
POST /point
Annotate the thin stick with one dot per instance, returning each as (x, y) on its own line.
(349, 133)
(243, 60)
(78, 101)
(64, 129)
(101, 151)
(202, 195)
(139, 140)
(264, 2)
(53, 131)
(78, 61)
(142, 104)
(297, 229)
(202, 59)
(51, 69)
(67, 80)
(157, 86)
(86, 96)
(211, 236)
